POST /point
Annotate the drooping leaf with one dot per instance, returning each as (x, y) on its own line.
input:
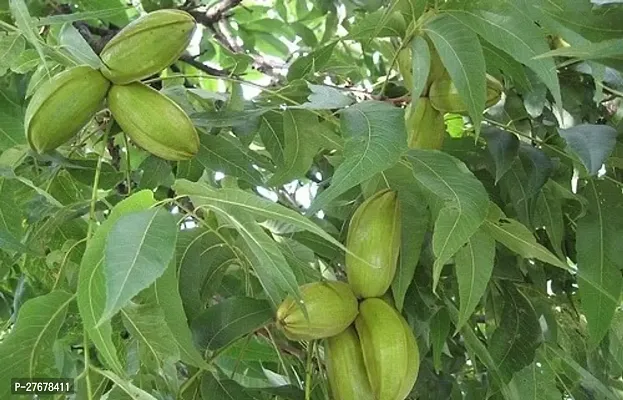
(138, 250)
(514, 235)
(26, 352)
(222, 389)
(375, 138)
(513, 33)
(461, 54)
(517, 336)
(461, 201)
(165, 294)
(599, 256)
(503, 147)
(228, 320)
(126, 386)
(420, 67)
(72, 41)
(92, 280)
(300, 146)
(473, 265)
(548, 214)
(147, 324)
(537, 382)
(592, 143)
(439, 330)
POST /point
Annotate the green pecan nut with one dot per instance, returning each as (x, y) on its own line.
(346, 370)
(331, 307)
(153, 121)
(425, 125)
(147, 45)
(62, 106)
(374, 243)
(385, 348)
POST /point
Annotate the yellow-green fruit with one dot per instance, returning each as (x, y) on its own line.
(425, 125)
(346, 371)
(374, 243)
(62, 106)
(437, 70)
(153, 121)
(385, 347)
(330, 306)
(445, 97)
(413, 362)
(147, 45)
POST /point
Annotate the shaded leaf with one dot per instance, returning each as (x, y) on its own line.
(228, 320)
(518, 335)
(26, 352)
(300, 146)
(72, 41)
(146, 324)
(165, 294)
(514, 235)
(219, 154)
(599, 257)
(503, 147)
(592, 143)
(473, 264)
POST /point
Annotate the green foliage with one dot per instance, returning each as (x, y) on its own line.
(138, 277)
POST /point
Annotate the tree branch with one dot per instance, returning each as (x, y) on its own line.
(202, 67)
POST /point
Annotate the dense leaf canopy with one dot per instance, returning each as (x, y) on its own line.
(135, 276)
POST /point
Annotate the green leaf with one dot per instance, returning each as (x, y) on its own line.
(599, 257)
(420, 67)
(475, 346)
(612, 48)
(537, 382)
(138, 250)
(252, 204)
(503, 147)
(590, 382)
(310, 63)
(300, 146)
(203, 257)
(473, 264)
(439, 330)
(515, 34)
(461, 54)
(72, 41)
(92, 281)
(375, 138)
(229, 320)
(548, 214)
(126, 386)
(165, 294)
(146, 323)
(514, 235)
(222, 389)
(11, 46)
(592, 143)
(26, 352)
(324, 98)
(219, 154)
(415, 219)
(460, 198)
(156, 172)
(26, 25)
(11, 123)
(271, 133)
(518, 335)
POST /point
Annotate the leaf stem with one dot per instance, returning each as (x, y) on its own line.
(308, 369)
(128, 166)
